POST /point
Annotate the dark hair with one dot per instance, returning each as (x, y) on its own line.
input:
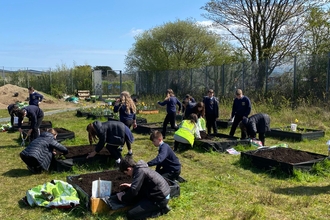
(155, 135)
(14, 110)
(126, 163)
(20, 114)
(31, 88)
(92, 135)
(198, 112)
(193, 118)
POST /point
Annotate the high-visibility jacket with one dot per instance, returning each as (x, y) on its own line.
(187, 131)
(201, 124)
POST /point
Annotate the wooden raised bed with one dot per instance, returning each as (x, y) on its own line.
(219, 142)
(287, 159)
(299, 135)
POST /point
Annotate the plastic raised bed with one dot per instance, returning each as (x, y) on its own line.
(220, 142)
(147, 128)
(83, 183)
(223, 123)
(44, 124)
(299, 135)
(81, 113)
(139, 120)
(62, 133)
(287, 159)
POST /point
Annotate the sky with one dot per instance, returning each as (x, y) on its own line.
(47, 34)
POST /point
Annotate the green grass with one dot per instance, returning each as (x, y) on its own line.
(219, 186)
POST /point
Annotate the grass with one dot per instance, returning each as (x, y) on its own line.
(219, 185)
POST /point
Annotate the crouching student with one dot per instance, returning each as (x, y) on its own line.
(167, 163)
(12, 110)
(258, 123)
(188, 130)
(112, 133)
(149, 192)
(39, 153)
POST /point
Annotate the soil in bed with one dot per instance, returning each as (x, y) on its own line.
(287, 155)
(83, 151)
(84, 181)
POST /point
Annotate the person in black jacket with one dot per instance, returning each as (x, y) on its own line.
(211, 111)
(34, 97)
(111, 133)
(12, 110)
(35, 115)
(258, 123)
(149, 192)
(167, 163)
(39, 153)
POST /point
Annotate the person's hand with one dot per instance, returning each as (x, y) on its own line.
(54, 152)
(119, 195)
(134, 125)
(20, 130)
(91, 154)
(29, 132)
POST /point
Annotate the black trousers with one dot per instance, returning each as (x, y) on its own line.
(113, 150)
(128, 123)
(35, 130)
(211, 122)
(31, 162)
(146, 208)
(237, 120)
(169, 118)
(171, 175)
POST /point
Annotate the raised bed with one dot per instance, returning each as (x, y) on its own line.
(287, 159)
(81, 113)
(219, 142)
(139, 120)
(62, 133)
(299, 135)
(223, 123)
(147, 112)
(83, 183)
(44, 125)
(147, 128)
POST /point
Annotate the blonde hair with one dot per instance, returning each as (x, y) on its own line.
(128, 101)
(169, 93)
(52, 131)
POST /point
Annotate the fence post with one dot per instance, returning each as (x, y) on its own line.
(266, 78)
(243, 74)
(328, 78)
(294, 81)
(223, 78)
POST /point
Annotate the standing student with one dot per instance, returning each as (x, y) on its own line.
(149, 192)
(34, 97)
(35, 115)
(171, 102)
(211, 111)
(112, 134)
(258, 123)
(166, 162)
(12, 110)
(241, 108)
(127, 109)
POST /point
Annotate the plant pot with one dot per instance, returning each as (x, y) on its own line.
(298, 135)
(286, 159)
(147, 112)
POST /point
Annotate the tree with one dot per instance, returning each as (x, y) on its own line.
(267, 29)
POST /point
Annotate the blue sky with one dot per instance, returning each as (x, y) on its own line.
(43, 34)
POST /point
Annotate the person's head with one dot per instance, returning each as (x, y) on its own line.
(239, 93)
(52, 131)
(127, 165)
(124, 96)
(92, 135)
(185, 102)
(244, 123)
(210, 92)
(193, 118)
(200, 108)
(14, 109)
(169, 92)
(135, 100)
(156, 137)
(21, 113)
(31, 89)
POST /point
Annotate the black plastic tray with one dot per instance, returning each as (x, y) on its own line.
(44, 124)
(300, 135)
(223, 123)
(147, 128)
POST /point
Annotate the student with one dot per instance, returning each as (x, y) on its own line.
(211, 111)
(12, 110)
(39, 153)
(34, 97)
(112, 134)
(127, 109)
(170, 101)
(188, 108)
(149, 192)
(167, 163)
(188, 98)
(187, 132)
(35, 115)
(258, 123)
(241, 108)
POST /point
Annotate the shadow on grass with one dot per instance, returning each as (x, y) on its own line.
(13, 146)
(303, 190)
(17, 173)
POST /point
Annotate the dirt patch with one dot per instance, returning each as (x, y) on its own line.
(287, 155)
(84, 181)
(11, 94)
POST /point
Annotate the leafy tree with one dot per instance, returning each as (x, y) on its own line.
(266, 29)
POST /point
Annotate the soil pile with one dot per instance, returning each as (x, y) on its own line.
(11, 94)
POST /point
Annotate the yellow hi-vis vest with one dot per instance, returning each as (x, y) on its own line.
(187, 131)
(201, 124)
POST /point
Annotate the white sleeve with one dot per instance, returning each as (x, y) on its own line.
(197, 133)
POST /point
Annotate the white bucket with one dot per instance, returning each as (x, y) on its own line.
(293, 127)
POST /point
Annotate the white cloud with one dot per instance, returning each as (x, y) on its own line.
(133, 32)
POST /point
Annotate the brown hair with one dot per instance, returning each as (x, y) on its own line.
(193, 118)
(52, 131)
(92, 135)
(156, 135)
(201, 113)
(126, 163)
(31, 88)
(239, 92)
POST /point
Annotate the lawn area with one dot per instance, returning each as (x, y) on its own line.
(218, 186)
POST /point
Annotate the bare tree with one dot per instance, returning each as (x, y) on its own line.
(267, 29)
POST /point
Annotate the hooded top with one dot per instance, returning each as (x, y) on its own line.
(42, 148)
(146, 183)
(111, 132)
(258, 123)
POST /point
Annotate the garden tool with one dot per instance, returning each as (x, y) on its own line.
(23, 139)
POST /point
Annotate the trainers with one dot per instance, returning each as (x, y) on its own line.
(129, 154)
(33, 170)
(165, 210)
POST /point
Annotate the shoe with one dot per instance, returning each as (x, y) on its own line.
(165, 210)
(129, 154)
(33, 170)
(120, 149)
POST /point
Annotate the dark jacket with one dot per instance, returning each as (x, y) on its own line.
(258, 123)
(33, 113)
(42, 148)
(171, 104)
(189, 109)
(35, 98)
(147, 184)
(123, 115)
(111, 132)
(211, 106)
(241, 107)
(166, 159)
